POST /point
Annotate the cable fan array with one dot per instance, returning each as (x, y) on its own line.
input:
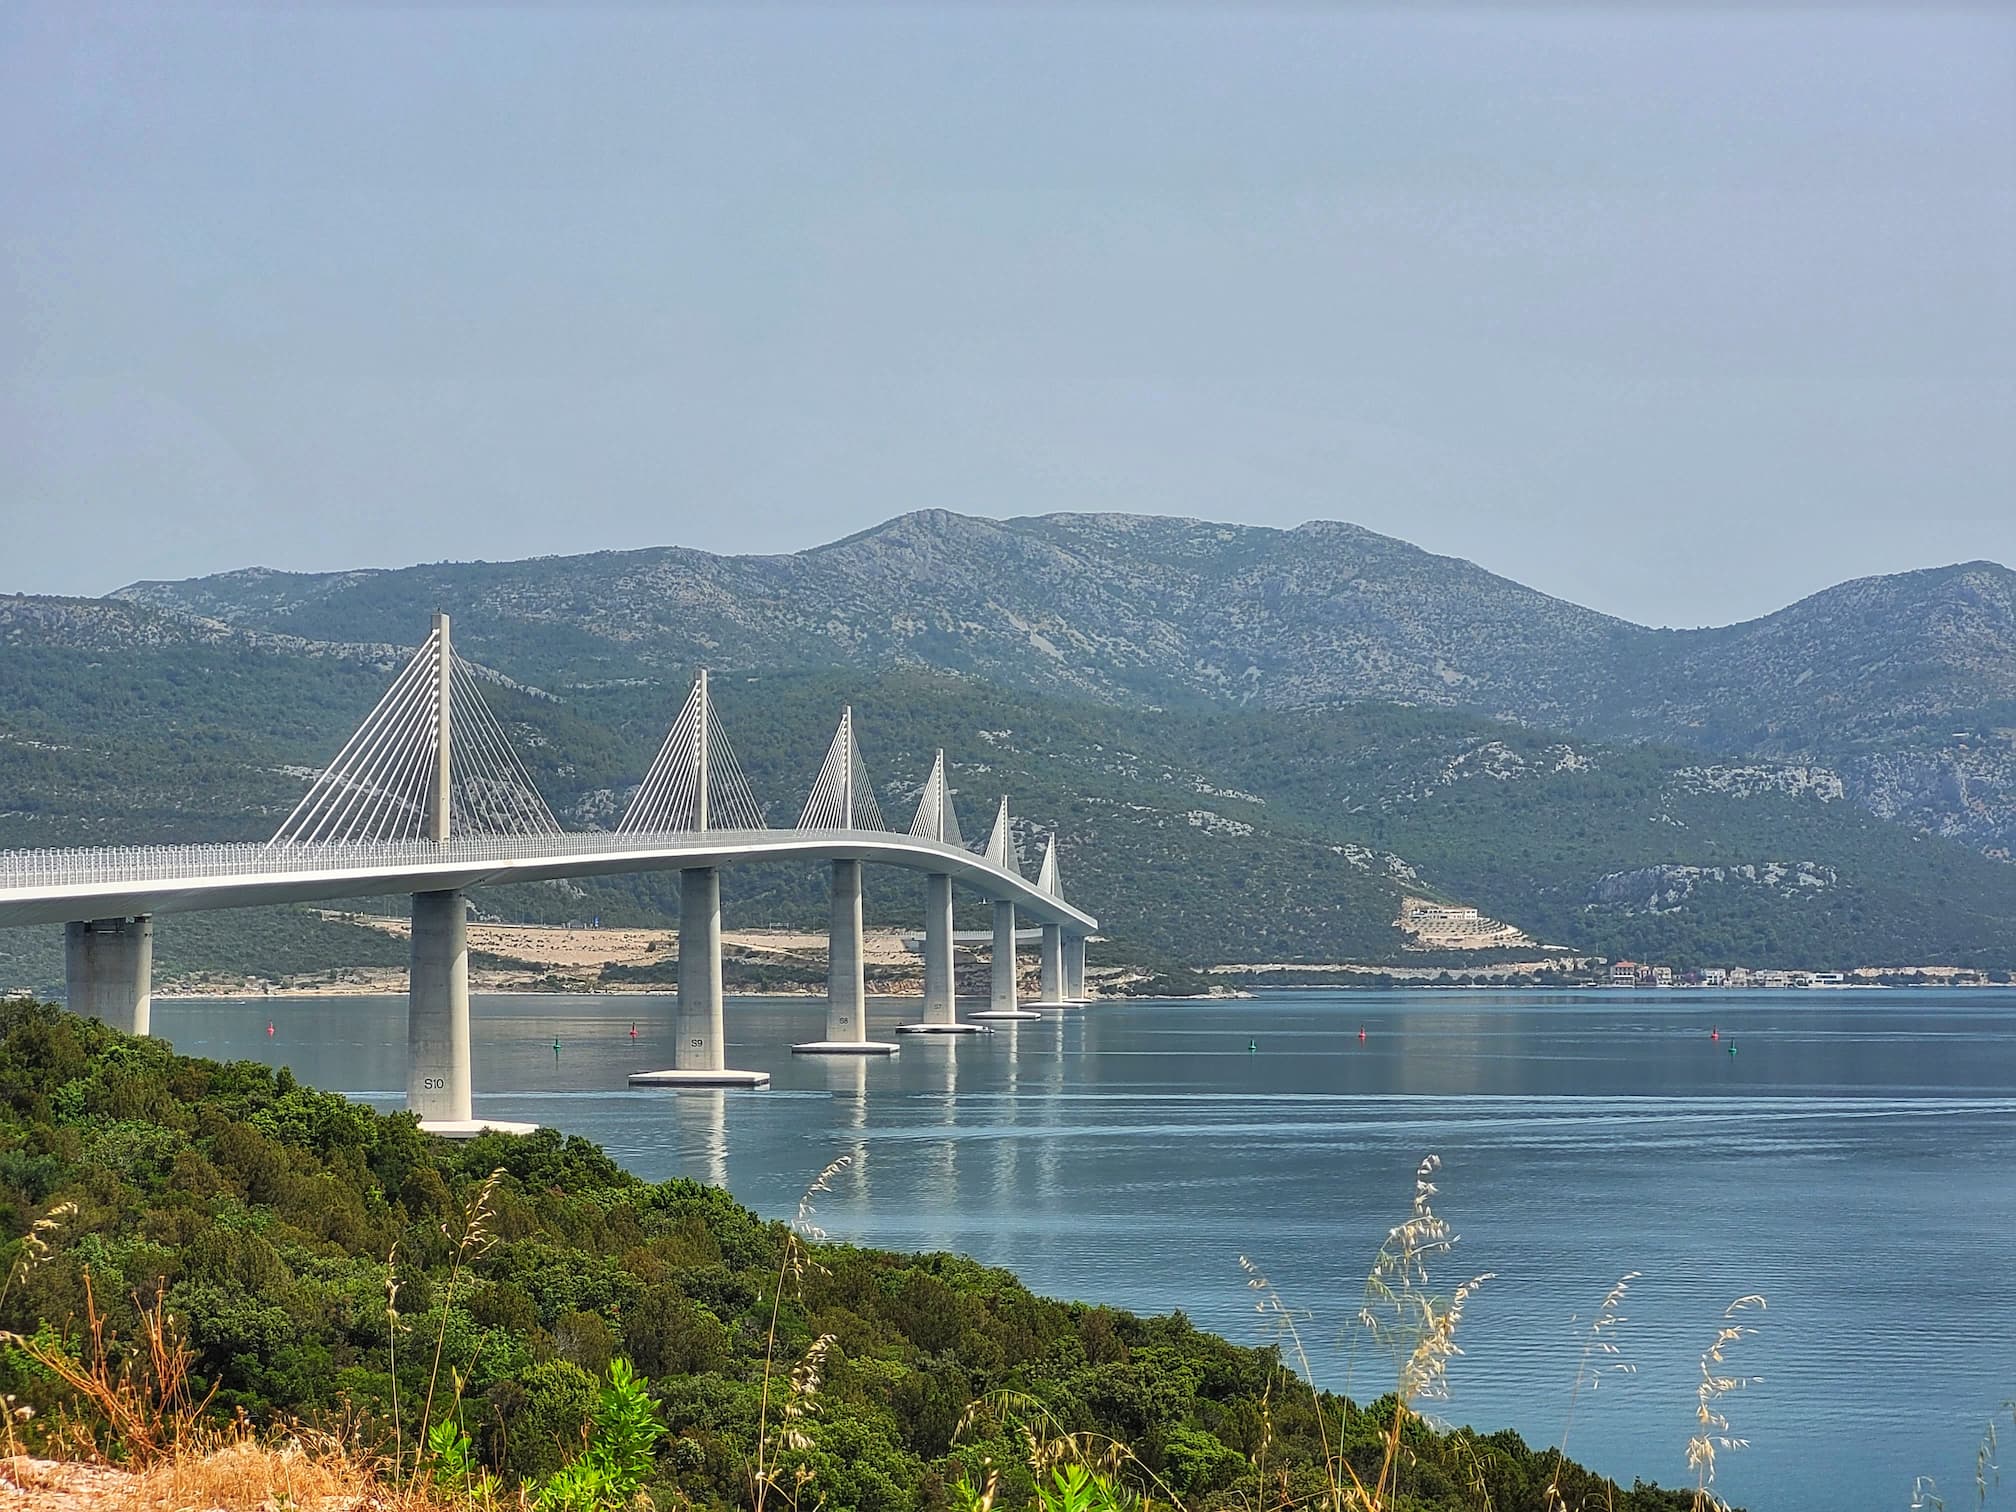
(843, 796)
(696, 783)
(936, 818)
(379, 787)
(384, 785)
(493, 793)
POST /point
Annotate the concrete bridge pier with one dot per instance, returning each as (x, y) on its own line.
(108, 971)
(1074, 968)
(941, 1006)
(1051, 981)
(846, 976)
(1001, 1002)
(700, 1059)
(437, 1021)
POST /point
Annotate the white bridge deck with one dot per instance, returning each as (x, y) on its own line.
(60, 886)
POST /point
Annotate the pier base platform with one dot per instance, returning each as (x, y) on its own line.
(846, 1047)
(749, 1079)
(959, 1028)
(1004, 1013)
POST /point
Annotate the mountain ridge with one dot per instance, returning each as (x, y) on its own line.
(1905, 683)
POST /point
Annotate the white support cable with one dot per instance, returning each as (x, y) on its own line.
(406, 808)
(311, 812)
(1001, 849)
(666, 804)
(474, 779)
(407, 726)
(410, 738)
(343, 789)
(377, 789)
(822, 805)
(410, 752)
(738, 797)
(516, 806)
(867, 813)
(661, 801)
(317, 795)
(661, 790)
(936, 819)
(515, 779)
(485, 793)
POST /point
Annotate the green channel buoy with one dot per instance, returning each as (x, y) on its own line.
(1252, 1047)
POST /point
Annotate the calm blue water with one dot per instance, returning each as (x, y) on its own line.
(1854, 1160)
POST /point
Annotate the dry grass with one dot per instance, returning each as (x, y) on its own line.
(1400, 1316)
(235, 1471)
(142, 1394)
(1712, 1433)
(241, 1474)
(1601, 1357)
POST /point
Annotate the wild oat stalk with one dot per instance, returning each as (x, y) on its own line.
(476, 1239)
(791, 1268)
(1712, 1433)
(1416, 1328)
(1600, 1357)
(1413, 1325)
(793, 1435)
(1925, 1495)
(392, 1358)
(969, 1498)
(1987, 1468)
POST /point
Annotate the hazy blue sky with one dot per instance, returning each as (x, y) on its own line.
(1681, 313)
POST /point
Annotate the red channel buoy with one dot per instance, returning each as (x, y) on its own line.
(1361, 1035)
(269, 1028)
(1714, 1034)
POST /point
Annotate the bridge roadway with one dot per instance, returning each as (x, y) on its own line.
(61, 886)
(106, 899)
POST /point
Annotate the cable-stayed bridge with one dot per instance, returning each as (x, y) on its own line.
(429, 798)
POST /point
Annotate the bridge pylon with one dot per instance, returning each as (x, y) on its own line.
(695, 785)
(843, 794)
(429, 762)
(1000, 848)
(936, 818)
(108, 971)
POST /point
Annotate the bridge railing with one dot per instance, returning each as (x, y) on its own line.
(111, 865)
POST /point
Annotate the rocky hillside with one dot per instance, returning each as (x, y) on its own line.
(1114, 606)
(1903, 685)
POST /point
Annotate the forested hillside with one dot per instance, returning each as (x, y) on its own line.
(1197, 834)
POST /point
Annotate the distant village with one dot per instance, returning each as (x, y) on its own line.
(1639, 974)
